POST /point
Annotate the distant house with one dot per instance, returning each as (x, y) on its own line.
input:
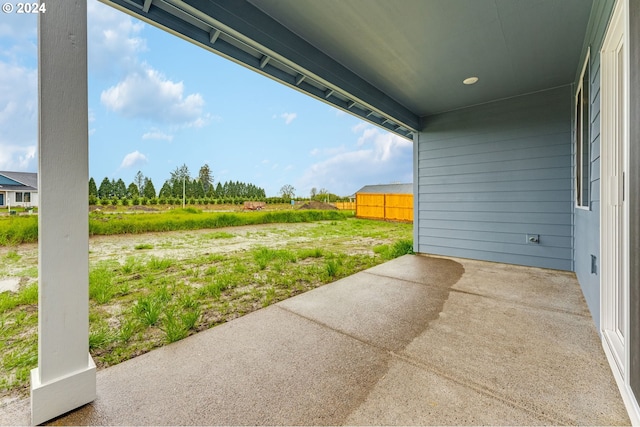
(387, 189)
(18, 189)
(389, 202)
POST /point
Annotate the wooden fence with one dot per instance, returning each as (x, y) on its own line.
(346, 206)
(392, 207)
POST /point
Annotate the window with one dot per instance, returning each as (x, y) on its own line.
(583, 137)
(27, 197)
(18, 197)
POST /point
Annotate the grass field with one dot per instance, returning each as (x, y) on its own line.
(16, 230)
(150, 289)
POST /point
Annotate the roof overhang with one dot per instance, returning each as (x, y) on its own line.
(389, 62)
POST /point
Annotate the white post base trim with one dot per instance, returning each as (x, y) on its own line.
(63, 394)
(629, 399)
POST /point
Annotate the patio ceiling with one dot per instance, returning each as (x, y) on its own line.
(389, 62)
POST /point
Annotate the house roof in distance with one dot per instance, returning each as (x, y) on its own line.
(387, 189)
(26, 180)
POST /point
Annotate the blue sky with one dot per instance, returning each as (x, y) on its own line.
(157, 101)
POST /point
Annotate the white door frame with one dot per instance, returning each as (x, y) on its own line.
(614, 206)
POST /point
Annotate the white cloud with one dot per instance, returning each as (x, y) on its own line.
(380, 157)
(158, 135)
(288, 117)
(133, 159)
(361, 126)
(149, 95)
(18, 117)
(17, 158)
(314, 152)
(113, 40)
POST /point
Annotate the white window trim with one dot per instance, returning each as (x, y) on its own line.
(578, 144)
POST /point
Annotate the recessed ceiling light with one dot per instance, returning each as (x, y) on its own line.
(470, 80)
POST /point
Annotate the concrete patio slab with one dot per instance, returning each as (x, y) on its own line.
(539, 287)
(382, 311)
(267, 368)
(414, 395)
(418, 340)
(539, 359)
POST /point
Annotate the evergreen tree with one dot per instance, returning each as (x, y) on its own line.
(198, 189)
(133, 191)
(219, 191)
(120, 189)
(149, 189)
(105, 191)
(206, 179)
(165, 191)
(93, 190)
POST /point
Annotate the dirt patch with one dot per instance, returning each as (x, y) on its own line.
(10, 285)
(318, 205)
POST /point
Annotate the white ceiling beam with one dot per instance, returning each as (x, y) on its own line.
(213, 35)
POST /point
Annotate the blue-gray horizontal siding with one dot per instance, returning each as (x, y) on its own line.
(587, 221)
(491, 174)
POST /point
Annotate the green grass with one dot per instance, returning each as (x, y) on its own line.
(219, 235)
(397, 249)
(24, 229)
(101, 287)
(12, 256)
(143, 301)
(18, 229)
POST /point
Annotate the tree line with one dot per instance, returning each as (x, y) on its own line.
(179, 187)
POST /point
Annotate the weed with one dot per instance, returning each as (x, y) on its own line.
(157, 264)
(162, 294)
(310, 253)
(263, 256)
(173, 327)
(239, 267)
(127, 329)
(332, 267)
(269, 296)
(12, 256)
(130, 265)
(101, 288)
(190, 318)
(399, 248)
(101, 336)
(148, 310)
(28, 295)
(211, 290)
(187, 301)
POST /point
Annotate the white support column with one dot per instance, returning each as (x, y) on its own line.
(66, 375)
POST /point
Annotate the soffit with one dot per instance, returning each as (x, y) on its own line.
(419, 51)
(390, 62)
